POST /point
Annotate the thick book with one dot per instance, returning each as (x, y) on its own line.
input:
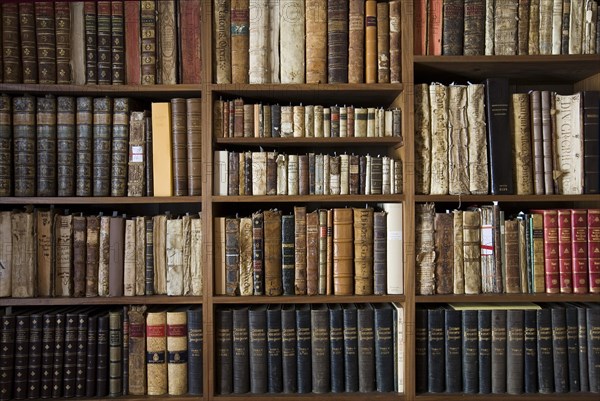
(63, 245)
(104, 42)
(484, 326)
(21, 355)
(274, 349)
(177, 352)
(119, 147)
(336, 347)
(337, 41)
(567, 130)
(91, 42)
(435, 351)
(505, 27)
(343, 251)
(29, 64)
(65, 146)
(424, 247)
(350, 337)
(167, 44)
(232, 255)
(593, 323)
(44, 228)
(190, 34)
(24, 284)
(288, 349)
(10, 43)
(84, 121)
(474, 28)
(593, 249)
(102, 358)
(453, 350)
(572, 326)
(6, 146)
(470, 349)
(91, 352)
(565, 256)
(102, 130)
(363, 251)
(46, 42)
(520, 122)
(194, 143)
(530, 364)
(453, 27)
(224, 351)
(222, 40)
(444, 264)
(46, 146)
(380, 256)
(356, 41)
(303, 349)
(116, 240)
(117, 43)
(287, 254)
(545, 351)
(434, 28)
(149, 60)
(132, 42)
(591, 142)
(421, 368)
(320, 349)
(7, 354)
(383, 326)
(137, 350)
(559, 348)
(179, 146)
(115, 370)
(498, 357)
(156, 352)
(272, 253)
(195, 340)
(514, 351)
(162, 163)
(241, 351)
(292, 50)
(366, 348)
(257, 329)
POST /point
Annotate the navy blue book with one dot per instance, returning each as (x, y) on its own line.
(336, 347)
(195, 340)
(303, 350)
(384, 347)
(350, 348)
(453, 346)
(288, 349)
(274, 375)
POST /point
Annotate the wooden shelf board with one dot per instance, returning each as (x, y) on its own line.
(148, 300)
(308, 198)
(523, 69)
(136, 91)
(396, 141)
(507, 198)
(100, 200)
(305, 299)
(313, 396)
(507, 298)
(510, 397)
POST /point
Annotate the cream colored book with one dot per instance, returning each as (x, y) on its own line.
(140, 255)
(160, 254)
(438, 95)
(282, 172)
(274, 6)
(395, 248)
(298, 121)
(177, 362)
(520, 127)
(162, 159)
(458, 150)
(568, 144)
(291, 37)
(186, 238)
(220, 173)
(259, 72)
(156, 351)
(259, 173)
(576, 24)
(422, 140)
(129, 266)
(174, 257)
(196, 240)
(478, 160)
(219, 246)
(309, 121)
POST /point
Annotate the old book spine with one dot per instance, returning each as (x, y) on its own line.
(478, 158)
(46, 146)
(120, 146)
(514, 351)
(579, 250)
(104, 256)
(196, 255)
(91, 42)
(241, 356)
(453, 349)
(160, 256)
(271, 174)
(140, 255)
(156, 350)
(537, 150)
(45, 241)
(422, 140)
(257, 328)
(572, 334)
(222, 40)
(137, 350)
(380, 257)
(129, 248)
(366, 348)
(530, 366)
(453, 29)
(303, 175)
(484, 326)
(47, 360)
(474, 28)
(559, 349)
(259, 174)
(246, 263)
(303, 349)
(420, 26)
(84, 146)
(533, 40)
(370, 41)
(425, 248)
(63, 226)
(383, 42)
(190, 34)
(62, 16)
(444, 264)
(591, 139)
(117, 39)
(65, 145)
(91, 351)
(149, 172)
(258, 67)
(101, 146)
(149, 47)
(576, 27)
(257, 253)
(316, 41)
(458, 137)
(179, 144)
(363, 251)
(240, 33)
(137, 160)
(521, 144)
(593, 226)
(471, 244)
(104, 43)
(320, 349)
(300, 250)
(272, 252)
(323, 253)
(565, 261)
(434, 28)
(10, 43)
(557, 19)
(292, 175)
(70, 355)
(523, 27)
(287, 254)
(224, 347)
(194, 146)
(435, 350)
(568, 160)
(6, 146)
(174, 257)
(343, 251)
(132, 42)
(6, 253)
(593, 323)
(512, 279)
(547, 142)
(458, 265)
(489, 27)
(356, 41)
(337, 41)
(545, 27)
(92, 256)
(115, 347)
(46, 42)
(288, 349)
(292, 51)
(194, 345)
(505, 27)
(311, 247)
(395, 41)
(439, 139)
(248, 127)
(29, 63)
(59, 346)
(274, 349)
(167, 42)
(162, 164)
(177, 352)
(273, 65)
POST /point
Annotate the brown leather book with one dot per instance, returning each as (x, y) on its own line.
(328, 285)
(84, 146)
(248, 131)
(24, 283)
(136, 183)
(137, 350)
(238, 118)
(65, 145)
(512, 279)
(116, 258)
(233, 174)
(316, 41)
(472, 254)
(354, 175)
(29, 64)
(46, 42)
(101, 146)
(6, 145)
(79, 255)
(222, 40)
(356, 41)
(232, 256)
(312, 253)
(179, 138)
(383, 42)
(24, 145)
(92, 255)
(363, 251)
(258, 253)
(444, 263)
(10, 43)
(300, 250)
(323, 253)
(343, 256)
(104, 43)
(44, 221)
(337, 41)
(474, 28)
(424, 248)
(219, 108)
(133, 42)
(148, 26)
(63, 235)
(46, 146)
(167, 42)
(140, 255)
(370, 41)
(395, 42)
(62, 15)
(120, 146)
(190, 24)
(303, 175)
(246, 178)
(91, 42)
(380, 256)
(272, 252)
(240, 35)
(520, 126)
(159, 236)
(271, 173)
(117, 38)
(194, 145)
(246, 262)
(129, 258)
(104, 256)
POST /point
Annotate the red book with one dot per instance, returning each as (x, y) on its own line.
(565, 261)
(133, 62)
(551, 260)
(191, 54)
(593, 241)
(434, 28)
(579, 250)
(420, 22)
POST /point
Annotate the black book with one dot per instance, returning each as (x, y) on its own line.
(530, 351)
(497, 98)
(350, 348)
(275, 121)
(366, 348)
(303, 351)
(257, 320)
(336, 347)
(453, 347)
(102, 350)
(453, 27)
(384, 347)
(35, 355)
(435, 350)
(21, 361)
(544, 351)
(591, 142)
(559, 349)
(70, 355)
(275, 371)
(593, 346)
(81, 358)
(194, 342)
(115, 353)
(149, 159)
(499, 351)
(288, 349)
(46, 374)
(92, 355)
(287, 254)
(321, 369)
(514, 351)
(582, 335)
(59, 347)
(484, 323)
(241, 351)
(470, 347)
(572, 347)
(125, 351)
(421, 350)
(7, 355)
(224, 351)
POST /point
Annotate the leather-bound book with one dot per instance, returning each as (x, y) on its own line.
(257, 253)
(512, 278)
(120, 146)
(6, 146)
(24, 284)
(47, 353)
(104, 42)
(14, 356)
(593, 216)
(505, 27)
(593, 323)
(576, 30)
(537, 244)
(336, 347)
(29, 64)
(102, 359)
(453, 27)
(420, 24)
(287, 254)
(224, 350)
(132, 42)
(320, 349)
(316, 41)
(559, 348)
(271, 174)
(115, 346)
(91, 42)
(530, 364)
(544, 351)
(533, 38)
(303, 348)
(148, 34)
(370, 41)
(257, 329)
(44, 242)
(376, 175)
(572, 347)
(136, 183)
(354, 175)
(523, 27)
(303, 175)
(65, 145)
(453, 350)
(547, 143)
(435, 350)
(116, 264)
(350, 336)
(58, 351)
(6, 253)
(363, 251)
(232, 255)
(63, 245)
(383, 325)
(84, 146)
(565, 260)
(288, 349)
(337, 41)
(395, 42)
(324, 252)
(194, 145)
(292, 50)
(474, 28)
(444, 264)
(272, 252)
(177, 352)
(222, 40)
(46, 42)
(591, 142)
(300, 250)
(149, 253)
(219, 252)
(137, 350)
(246, 164)
(471, 251)
(514, 351)
(46, 146)
(366, 348)
(584, 379)
(470, 344)
(311, 247)
(179, 144)
(62, 15)
(91, 346)
(240, 26)
(497, 107)
(92, 255)
(74, 365)
(190, 17)
(343, 272)
(195, 353)
(521, 144)
(117, 41)
(35, 355)
(424, 239)
(101, 146)
(537, 150)
(274, 349)
(241, 350)
(458, 140)
(579, 235)
(421, 377)
(156, 352)
(246, 266)
(167, 42)
(125, 350)
(10, 43)
(434, 28)
(104, 256)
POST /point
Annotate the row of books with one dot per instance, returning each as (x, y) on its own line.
(508, 348)
(101, 42)
(312, 41)
(336, 251)
(84, 146)
(309, 348)
(480, 250)
(236, 119)
(273, 173)
(49, 254)
(506, 27)
(94, 352)
(461, 150)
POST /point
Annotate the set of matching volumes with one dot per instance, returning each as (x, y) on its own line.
(341, 251)
(478, 250)
(506, 27)
(84, 146)
(273, 173)
(93, 352)
(306, 41)
(310, 348)
(552, 139)
(101, 42)
(508, 348)
(49, 254)
(234, 119)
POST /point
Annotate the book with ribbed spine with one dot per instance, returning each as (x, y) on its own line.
(179, 146)
(6, 146)
(240, 40)
(102, 118)
(272, 252)
(10, 43)
(303, 349)
(222, 40)
(28, 43)
(232, 255)
(424, 239)
(453, 27)
(46, 146)
(115, 380)
(287, 254)
(320, 349)
(274, 350)
(177, 352)
(288, 349)
(458, 137)
(63, 244)
(194, 145)
(46, 42)
(63, 26)
(6, 249)
(474, 28)
(316, 41)
(24, 283)
(565, 256)
(300, 250)
(119, 146)
(65, 145)
(148, 34)
(257, 338)
(190, 18)
(593, 249)
(104, 42)
(337, 41)
(343, 251)
(363, 251)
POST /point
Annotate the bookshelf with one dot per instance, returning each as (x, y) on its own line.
(576, 72)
